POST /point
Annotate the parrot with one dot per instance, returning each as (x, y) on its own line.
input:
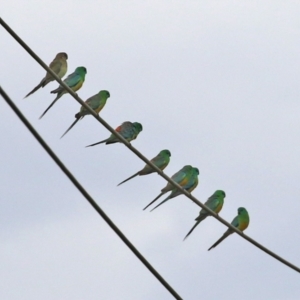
(74, 81)
(179, 177)
(59, 66)
(241, 222)
(127, 130)
(96, 102)
(192, 182)
(215, 203)
(161, 160)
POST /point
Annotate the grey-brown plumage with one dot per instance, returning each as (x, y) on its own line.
(59, 66)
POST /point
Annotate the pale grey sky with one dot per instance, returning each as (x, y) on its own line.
(216, 82)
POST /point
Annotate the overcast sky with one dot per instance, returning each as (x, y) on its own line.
(216, 83)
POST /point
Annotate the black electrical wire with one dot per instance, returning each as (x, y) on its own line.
(87, 195)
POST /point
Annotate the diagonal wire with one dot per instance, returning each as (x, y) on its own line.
(142, 157)
(86, 195)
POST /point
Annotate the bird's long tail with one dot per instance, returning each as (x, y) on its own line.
(168, 198)
(223, 237)
(41, 84)
(101, 142)
(112, 141)
(154, 200)
(199, 220)
(134, 175)
(57, 90)
(73, 124)
(57, 97)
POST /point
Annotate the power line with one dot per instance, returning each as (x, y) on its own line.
(87, 195)
(141, 156)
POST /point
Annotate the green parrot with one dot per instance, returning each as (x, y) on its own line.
(127, 130)
(182, 177)
(215, 203)
(179, 177)
(161, 160)
(96, 103)
(192, 182)
(74, 81)
(241, 222)
(59, 66)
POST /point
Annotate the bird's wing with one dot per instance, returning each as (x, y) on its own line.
(72, 80)
(55, 66)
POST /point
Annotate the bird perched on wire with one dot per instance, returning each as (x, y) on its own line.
(127, 130)
(161, 160)
(96, 103)
(74, 81)
(189, 187)
(187, 178)
(179, 177)
(59, 66)
(241, 222)
(215, 203)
